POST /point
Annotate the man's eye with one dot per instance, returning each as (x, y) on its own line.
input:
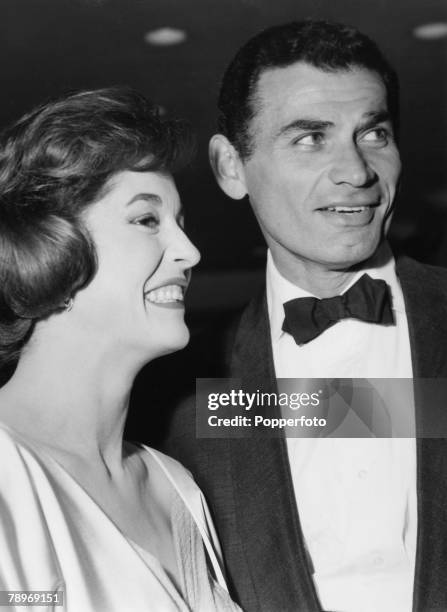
(150, 221)
(379, 135)
(315, 138)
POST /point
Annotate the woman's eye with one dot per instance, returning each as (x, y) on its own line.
(150, 221)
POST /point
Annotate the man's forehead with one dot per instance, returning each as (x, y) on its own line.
(306, 84)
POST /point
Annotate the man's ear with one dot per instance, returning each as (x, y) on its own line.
(227, 167)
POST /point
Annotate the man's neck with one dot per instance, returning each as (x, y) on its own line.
(322, 281)
(318, 281)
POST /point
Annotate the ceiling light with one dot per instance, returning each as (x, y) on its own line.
(164, 37)
(431, 31)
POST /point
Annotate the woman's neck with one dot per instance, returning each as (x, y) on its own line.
(71, 393)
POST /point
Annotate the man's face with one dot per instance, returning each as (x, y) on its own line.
(324, 169)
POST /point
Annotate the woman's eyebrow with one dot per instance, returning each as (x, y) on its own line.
(153, 198)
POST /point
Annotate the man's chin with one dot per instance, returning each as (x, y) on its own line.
(352, 256)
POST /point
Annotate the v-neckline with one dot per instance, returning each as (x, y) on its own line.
(146, 557)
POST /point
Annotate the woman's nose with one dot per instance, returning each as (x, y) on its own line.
(183, 250)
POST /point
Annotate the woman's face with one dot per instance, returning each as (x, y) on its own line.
(135, 300)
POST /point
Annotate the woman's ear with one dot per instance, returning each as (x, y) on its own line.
(227, 167)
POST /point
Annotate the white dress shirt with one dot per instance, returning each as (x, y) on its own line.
(356, 498)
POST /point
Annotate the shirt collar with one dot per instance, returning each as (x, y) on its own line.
(280, 290)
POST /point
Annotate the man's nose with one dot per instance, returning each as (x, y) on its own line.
(351, 167)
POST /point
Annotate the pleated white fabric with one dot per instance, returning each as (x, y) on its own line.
(53, 536)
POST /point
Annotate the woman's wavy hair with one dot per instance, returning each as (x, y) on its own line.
(54, 162)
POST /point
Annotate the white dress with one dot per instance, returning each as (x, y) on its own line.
(54, 536)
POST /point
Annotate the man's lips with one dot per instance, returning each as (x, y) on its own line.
(349, 208)
(349, 214)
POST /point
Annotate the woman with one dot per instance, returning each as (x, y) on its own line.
(94, 265)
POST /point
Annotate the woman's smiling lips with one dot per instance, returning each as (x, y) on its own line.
(170, 294)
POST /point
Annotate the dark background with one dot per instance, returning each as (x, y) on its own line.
(49, 47)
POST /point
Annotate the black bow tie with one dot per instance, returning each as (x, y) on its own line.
(367, 300)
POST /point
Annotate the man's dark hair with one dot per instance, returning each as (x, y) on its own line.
(54, 163)
(322, 44)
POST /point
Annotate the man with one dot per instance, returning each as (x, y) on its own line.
(308, 128)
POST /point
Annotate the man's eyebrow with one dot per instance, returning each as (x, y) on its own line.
(304, 124)
(375, 117)
(371, 118)
(153, 198)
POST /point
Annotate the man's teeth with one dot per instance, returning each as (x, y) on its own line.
(168, 293)
(346, 209)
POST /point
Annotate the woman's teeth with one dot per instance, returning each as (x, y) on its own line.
(168, 293)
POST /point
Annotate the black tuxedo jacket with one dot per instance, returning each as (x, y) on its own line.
(248, 482)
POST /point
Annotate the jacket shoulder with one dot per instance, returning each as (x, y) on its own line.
(421, 277)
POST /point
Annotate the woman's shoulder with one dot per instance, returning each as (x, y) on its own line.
(12, 450)
(172, 469)
(24, 529)
(171, 478)
(20, 468)
(7, 438)
(169, 463)
(13, 444)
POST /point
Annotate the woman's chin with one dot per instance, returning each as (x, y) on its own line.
(169, 344)
(180, 341)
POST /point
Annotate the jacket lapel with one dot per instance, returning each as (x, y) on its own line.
(426, 308)
(264, 496)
